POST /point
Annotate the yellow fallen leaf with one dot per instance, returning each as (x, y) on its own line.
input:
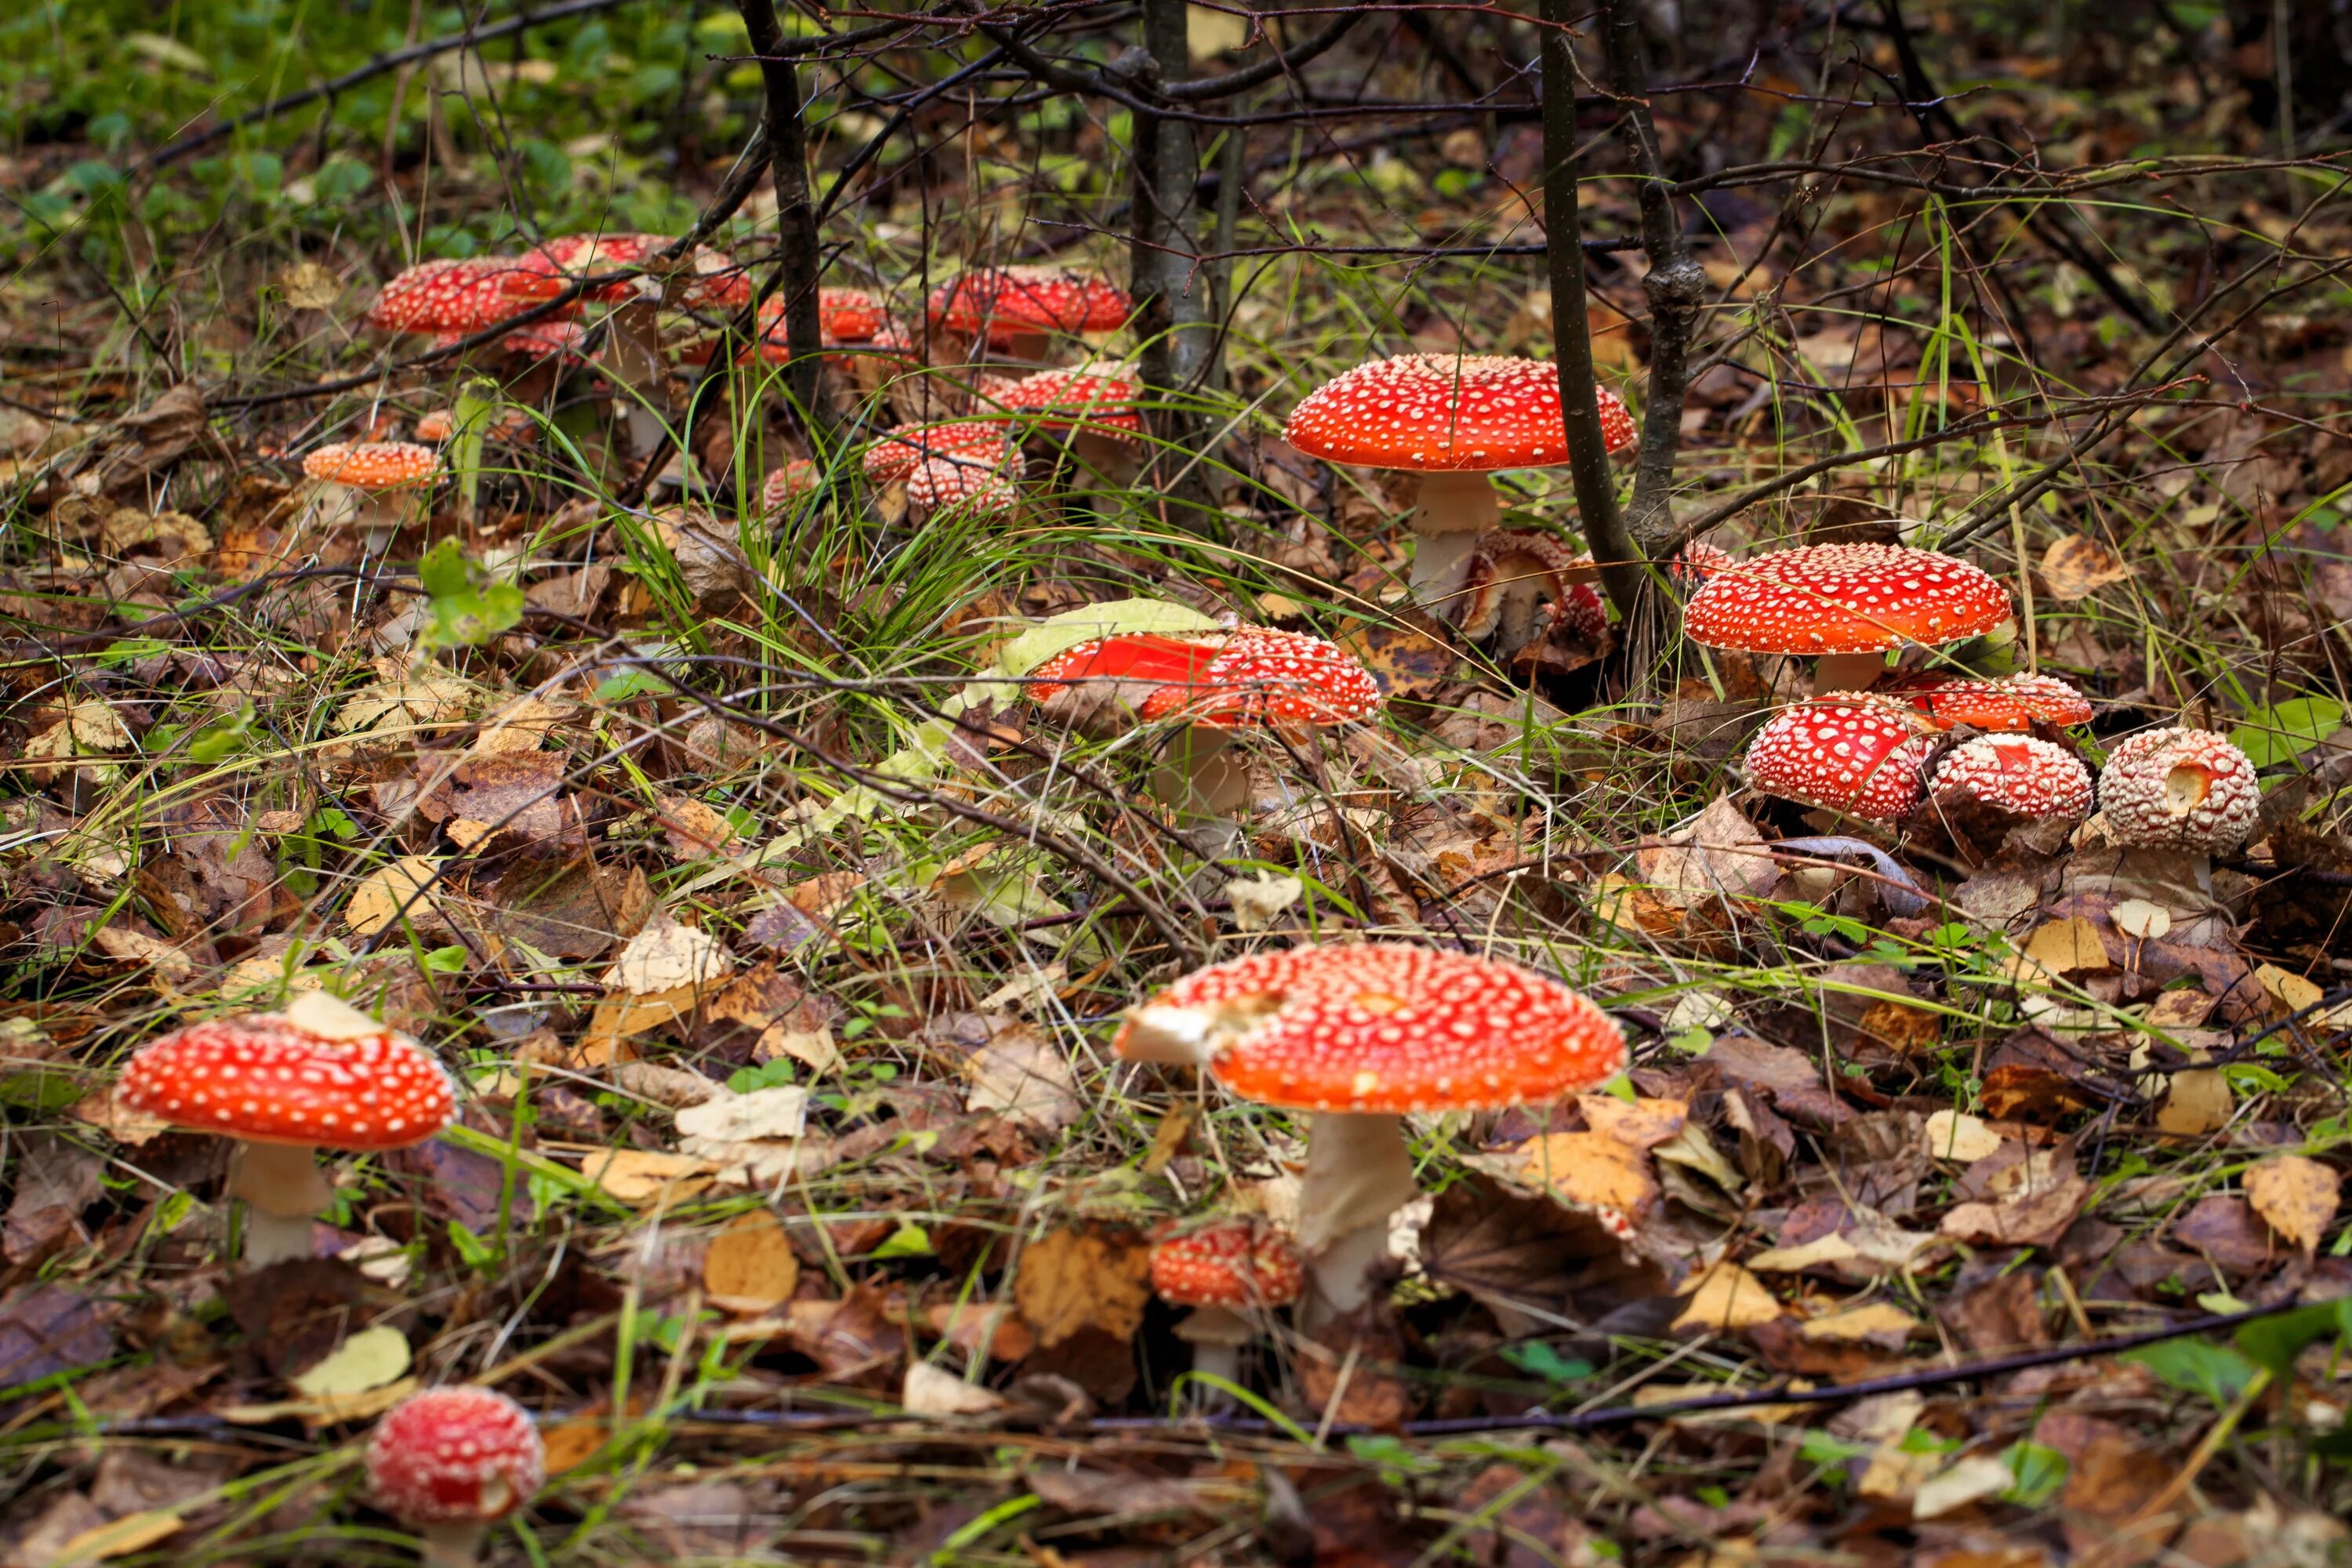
(2296, 1197)
(2292, 990)
(2063, 947)
(2076, 565)
(1591, 1169)
(1820, 1252)
(1956, 1135)
(400, 891)
(326, 1410)
(1079, 1278)
(1727, 1296)
(666, 956)
(2139, 917)
(1643, 1124)
(368, 1359)
(1881, 1323)
(118, 1537)
(750, 1267)
(2197, 1101)
(634, 1175)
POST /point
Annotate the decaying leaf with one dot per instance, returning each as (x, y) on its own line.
(1082, 1278)
(1726, 1297)
(2295, 1196)
(1024, 1074)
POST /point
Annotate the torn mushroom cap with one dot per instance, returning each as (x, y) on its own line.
(1504, 558)
(455, 1456)
(973, 486)
(320, 1075)
(451, 298)
(1232, 1264)
(898, 451)
(1092, 401)
(373, 464)
(544, 270)
(1008, 300)
(1843, 598)
(1259, 678)
(2179, 789)
(2021, 773)
(796, 477)
(1847, 752)
(1381, 1029)
(2012, 702)
(1443, 413)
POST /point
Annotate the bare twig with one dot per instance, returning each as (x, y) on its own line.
(796, 235)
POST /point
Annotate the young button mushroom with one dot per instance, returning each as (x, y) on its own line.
(965, 484)
(451, 1462)
(373, 486)
(797, 478)
(1846, 604)
(2011, 703)
(1359, 1038)
(2179, 789)
(320, 1075)
(1452, 420)
(2002, 778)
(1848, 752)
(1223, 1271)
(1014, 309)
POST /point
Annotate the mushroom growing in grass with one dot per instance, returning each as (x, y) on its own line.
(1509, 572)
(1359, 1038)
(320, 1075)
(1845, 605)
(899, 451)
(1226, 1272)
(2008, 702)
(1453, 420)
(451, 300)
(1220, 683)
(449, 1463)
(965, 484)
(797, 478)
(375, 486)
(2007, 777)
(1848, 752)
(2188, 790)
(1018, 310)
(1097, 408)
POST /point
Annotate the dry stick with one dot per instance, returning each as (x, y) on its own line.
(1588, 450)
(796, 236)
(1675, 286)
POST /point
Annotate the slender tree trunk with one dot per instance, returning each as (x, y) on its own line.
(1588, 454)
(796, 235)
(1170, 289)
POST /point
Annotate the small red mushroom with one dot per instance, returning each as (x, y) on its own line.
(449, 299)
(2179, 789)
(320, 1075)
(372, 485)
(1016, 309)
(898, 451)
(1846, 604)
(799, 477)
(2023, 775)
(1359, 1036)
(970, 485)
(1226, 1272)
(1099, 408)
(1454, 420)
(1847, 752)
(451, 1462)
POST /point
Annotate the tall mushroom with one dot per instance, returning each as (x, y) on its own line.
(320, 1075)
(1359, 1038)
(1226, 1272)
(1848, 752)
(1016, 310)
(373, 486)
(1845, 605)
(2188, 790)
(451, 1462)
(1453, 420)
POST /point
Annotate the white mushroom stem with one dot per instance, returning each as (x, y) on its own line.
(1206, 780)
(633, 356)
(1113, 459)
(284, 1192)
(1847, 671)
(1029, 348)
(1454, 509)
(455, 1545)
(380, 513)
(1357, 1175)
(1216, 1335)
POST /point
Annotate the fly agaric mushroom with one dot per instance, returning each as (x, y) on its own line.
(1097, 406)
(1358, 1037)
(1452, 420)
(1844, 604)
(2023, 775)
(796, 477)
(1223, 1271)
(1847, 752)
(320, 1075)
(1509, 572)
(966, 484)
(1101, 685)
(2010, 703)
(1016, 309)
(372, 485)
(451, 1462)
(2179, 789)
(900, 450)
(449, 299)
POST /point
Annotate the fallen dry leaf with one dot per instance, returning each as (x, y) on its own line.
(1726, 1297)
(2076, 565)
(2295, 1196)
(1082, 1278)
(750, 1267)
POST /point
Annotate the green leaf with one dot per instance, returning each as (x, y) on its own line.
(1056, 634)
(909, 1240)
(1539, 1358)
(2216, 1372)
(2040, 1470)
(2282, 733)
(2275, 1343)
(466, 607)
(446, 961)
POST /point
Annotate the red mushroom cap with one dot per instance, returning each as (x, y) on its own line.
(896, 452)
(796, 477)
(2179, 789)
(1444, 413)
(542, 271)
(1005, 301)
(271, 1077)
(1259, 678)
(2021, 773)
(2009, 704)
(451, 298)
(1385, 1028)
(1153, 658)
(373, 464)
(1088, 400)
(1843, 598)
(1844, 752)
(435, 426)
(565, 341)
(942, 482)
(1231, 1264)
(845, 318)
(455, 1456)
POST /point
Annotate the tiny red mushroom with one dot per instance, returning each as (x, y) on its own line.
(451, 1462)
(2010, 703)
(799, 477)
(373, 485)
(2023, 775)
(2179, 789)
(1452, 419)
(1017, 308)
(968, 485)
(320, 1075)
(1359, 1038)
(1226, 1272)
(1846, 604)
(898, 451)
(1847, 752)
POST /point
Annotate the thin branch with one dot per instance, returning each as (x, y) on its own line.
(796, 233)
(1249, 76)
